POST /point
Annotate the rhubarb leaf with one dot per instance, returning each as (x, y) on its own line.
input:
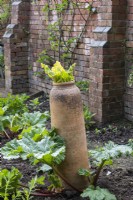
(109, 152)
(98, 194)
(45, 150)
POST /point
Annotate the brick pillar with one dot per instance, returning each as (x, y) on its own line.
(128, 100)
(107, 73)
(16, 48)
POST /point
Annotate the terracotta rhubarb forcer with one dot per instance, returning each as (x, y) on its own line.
(67, 118)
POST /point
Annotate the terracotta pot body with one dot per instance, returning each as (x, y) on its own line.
(67, 117)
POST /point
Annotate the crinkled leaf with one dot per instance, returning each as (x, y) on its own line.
(44, 168)
(98, 194)
(35, 119)
(109, 152)
(84, 172)
(55, 181)
(130, 143)
(11, 150)
(42, 150)
(59, 155)
(35, 133)
(15, 123)
(14, 104)
(4, 122)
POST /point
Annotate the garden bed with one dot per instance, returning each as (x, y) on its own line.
(117, 178)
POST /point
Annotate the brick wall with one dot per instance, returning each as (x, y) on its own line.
(99, 57)
(16, 48)
(2, 31)
(129, 61)
(107, 71)
(39, 41)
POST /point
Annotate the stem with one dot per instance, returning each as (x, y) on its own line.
(6, 134)
(81, 33)
(43, 195)
(39, 193)
(22, 185)
(98, 173)
(65, 180)
(80, 11)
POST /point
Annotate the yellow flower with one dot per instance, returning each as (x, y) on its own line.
(57, 68)
(57, 73)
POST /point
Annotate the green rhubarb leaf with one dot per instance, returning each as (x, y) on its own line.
(40, 151)
(59, 155)
(1, 111)
(130, 143)
(35, 119)
(35, 133)
(4, 122)
(15, 124)
(84, 172)
(98, 194)
(11, 150)
(45, 168)
(109, 152)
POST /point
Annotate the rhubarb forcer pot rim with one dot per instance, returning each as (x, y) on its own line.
(64, 83)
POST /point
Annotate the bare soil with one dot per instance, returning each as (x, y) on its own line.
(118, 178)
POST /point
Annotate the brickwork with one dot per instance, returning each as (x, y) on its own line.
(99, 56)
(129, 61)
(107, 62)
(2, 31)
(16, 48)
(39, 41)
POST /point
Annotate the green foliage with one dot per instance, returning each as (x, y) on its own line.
(58, 74)
(84, 172)
(39, 146)
(103, 156)
(83, 85)
(98, 194)
(31, 186)
(10, 185)
(32, 120)
(34, 103)
(97, 131)
(9, 182)
(4, 12)
(14, 115)
(4, 122)
(49, 150)
(45, 58)
(36, 119)
(60, 35)
(62, 6)
(26, 122)
(55, 181)
(88, 116)
(130, 79)
(109, 152)
(15, 104)
(1, 60)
